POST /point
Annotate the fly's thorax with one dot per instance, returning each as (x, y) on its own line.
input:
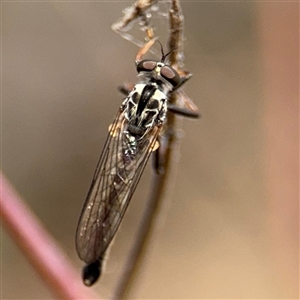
(144, 108)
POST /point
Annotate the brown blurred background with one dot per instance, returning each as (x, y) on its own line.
(231, 229)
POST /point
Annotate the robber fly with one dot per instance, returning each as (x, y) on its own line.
(132, 137)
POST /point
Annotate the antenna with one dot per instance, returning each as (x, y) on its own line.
(163, 56)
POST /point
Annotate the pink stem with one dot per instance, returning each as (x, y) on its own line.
(279, 25)
(39, 248)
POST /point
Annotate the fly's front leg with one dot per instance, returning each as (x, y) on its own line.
(183, 111)
(189, 108)
(184, 77)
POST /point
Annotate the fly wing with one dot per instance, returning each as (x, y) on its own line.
(114, 182)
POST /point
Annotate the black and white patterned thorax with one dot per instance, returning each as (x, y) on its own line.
(146, 105)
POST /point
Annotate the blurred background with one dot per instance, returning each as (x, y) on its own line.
(231, 225)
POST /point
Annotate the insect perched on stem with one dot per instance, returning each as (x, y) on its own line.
(132, 137)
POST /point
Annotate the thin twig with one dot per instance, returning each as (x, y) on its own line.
(132, 14)
(40, 249)
(159, 183)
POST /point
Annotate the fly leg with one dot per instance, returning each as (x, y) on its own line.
(126, 88)
(158, 157)
(184, 77)
(187, 108)
(190, 111)
(184, 112)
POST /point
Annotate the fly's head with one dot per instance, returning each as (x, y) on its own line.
(162, 74)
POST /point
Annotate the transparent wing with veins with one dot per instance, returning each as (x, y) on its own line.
(114, 182)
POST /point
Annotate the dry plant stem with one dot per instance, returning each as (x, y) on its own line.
(39, 248)
(159, 183)
(132, 14)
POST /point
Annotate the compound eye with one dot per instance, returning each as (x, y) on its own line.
(146, 66)
(170, 75)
